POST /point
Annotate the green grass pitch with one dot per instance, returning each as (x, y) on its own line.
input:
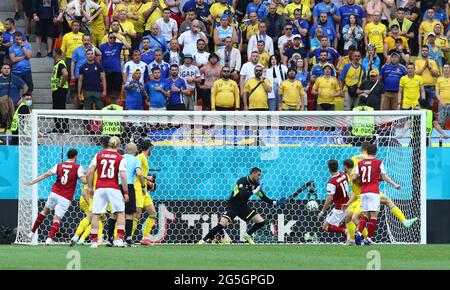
(228, 257)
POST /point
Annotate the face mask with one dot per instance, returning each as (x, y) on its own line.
(28, 103)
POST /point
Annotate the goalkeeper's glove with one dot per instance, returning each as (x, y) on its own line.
(258, 189)
(282, 201)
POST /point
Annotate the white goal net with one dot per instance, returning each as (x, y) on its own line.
(198, 156)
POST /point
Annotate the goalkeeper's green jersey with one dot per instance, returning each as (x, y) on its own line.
(243, 190)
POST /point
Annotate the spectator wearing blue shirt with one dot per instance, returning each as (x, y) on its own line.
(176, 87)
(79, 56)
(156, 39)
(295, 52)
(135, 92)
(390, 76)
(10, 31)
(259, 8)
(147, 55)
(111, 52)
(351, 9)
(92, 83)
(300, 26)
(318, 69)
(327, 27)
(201, 8)
(20, 54)
(333, 55)
(440, 12)
(156, 89)
(11, 85)
(372, 60)
(332, 12)
(163, 66)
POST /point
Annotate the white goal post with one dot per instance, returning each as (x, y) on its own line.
(198, 156)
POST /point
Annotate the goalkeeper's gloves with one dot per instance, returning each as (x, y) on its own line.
(258, 189)
(320, 215)
(282, 201)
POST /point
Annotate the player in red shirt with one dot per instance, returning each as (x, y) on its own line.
(338, 192)
(109, 164)
(368, 173)
(60, 198)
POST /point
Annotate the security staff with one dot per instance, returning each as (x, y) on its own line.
(112, 126)
(363, 127)
(59, 87)
(24, 108)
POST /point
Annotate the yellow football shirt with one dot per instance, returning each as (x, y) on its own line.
(428, 79)
(218, 9)
(356, 188)
(225, 93)
(375, 34)
(391, 42)
(264, 59)
(291, 7)
(441, 42)
(292, 92)
(443, 85)
(411, 90)
(326, 88)
(344, 61)
(138, 10)
(126, 26)
(98, 25)
(144, 169)
(427, 27)
(121, 6)
(70, 42)
(2, 28)
(259, 97)
(155, 14)
(252, 29)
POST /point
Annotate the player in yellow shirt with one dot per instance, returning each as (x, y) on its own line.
(225, 93)
(98, 29)
(256, 91)
(354, 211)
(326, 88)
(143, 198)
(72, 40)
(375, 32)
(153, 10)
(410, 89)
(290, 93)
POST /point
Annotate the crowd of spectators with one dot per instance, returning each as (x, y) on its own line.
(232, 54)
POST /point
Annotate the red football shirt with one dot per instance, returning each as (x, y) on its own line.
(108, 164)
(67, 174)
(370, 171)
(338, 187)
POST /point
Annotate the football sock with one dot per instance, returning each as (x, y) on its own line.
(120, 232)
(212, 233)
(255, 227)
(372, 225)
(111, 226)
(128, 228)
(362, 224)
(54, 229)
(336, 229)
(100, 229)
(398, 214)
(135, 224)
(364, 233)
(351, 228)
(38, 222)
(84, 223)
(149, 225)
(94, 235)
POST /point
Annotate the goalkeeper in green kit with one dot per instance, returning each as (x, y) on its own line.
(238, 206)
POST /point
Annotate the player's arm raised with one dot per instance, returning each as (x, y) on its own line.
(386, 178)
(258, 191)
(40, 178)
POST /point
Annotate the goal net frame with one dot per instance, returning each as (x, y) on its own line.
(29, 135)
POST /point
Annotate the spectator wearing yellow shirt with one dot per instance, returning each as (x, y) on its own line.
(154, 10)
(263, 54)
(136, 16)
(327, 89)
(429, 71)
(253, 27)
(218, 8)
(126, 28)
(291, 93)
(71, 41)
(303, 5)
(225, 93)
(443, 95)
(389, 42)
(2, 27)
(98, 24)
(410, 89)
(375, 32)
(442, 42)
(255, 94)
(426, 27)
(124, 5)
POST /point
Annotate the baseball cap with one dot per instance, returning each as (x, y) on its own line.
(327, 65)
(394, 53)
(136, 70)
(297, 36)
(373, 72)
(188, 55)
(431, 34)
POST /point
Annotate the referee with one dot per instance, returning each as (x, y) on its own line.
(238, 206)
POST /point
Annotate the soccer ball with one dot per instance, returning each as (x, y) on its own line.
(312, 206)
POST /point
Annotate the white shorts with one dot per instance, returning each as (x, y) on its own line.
(105, 196)
(335, 217)
(370, 202)
(58, 203)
